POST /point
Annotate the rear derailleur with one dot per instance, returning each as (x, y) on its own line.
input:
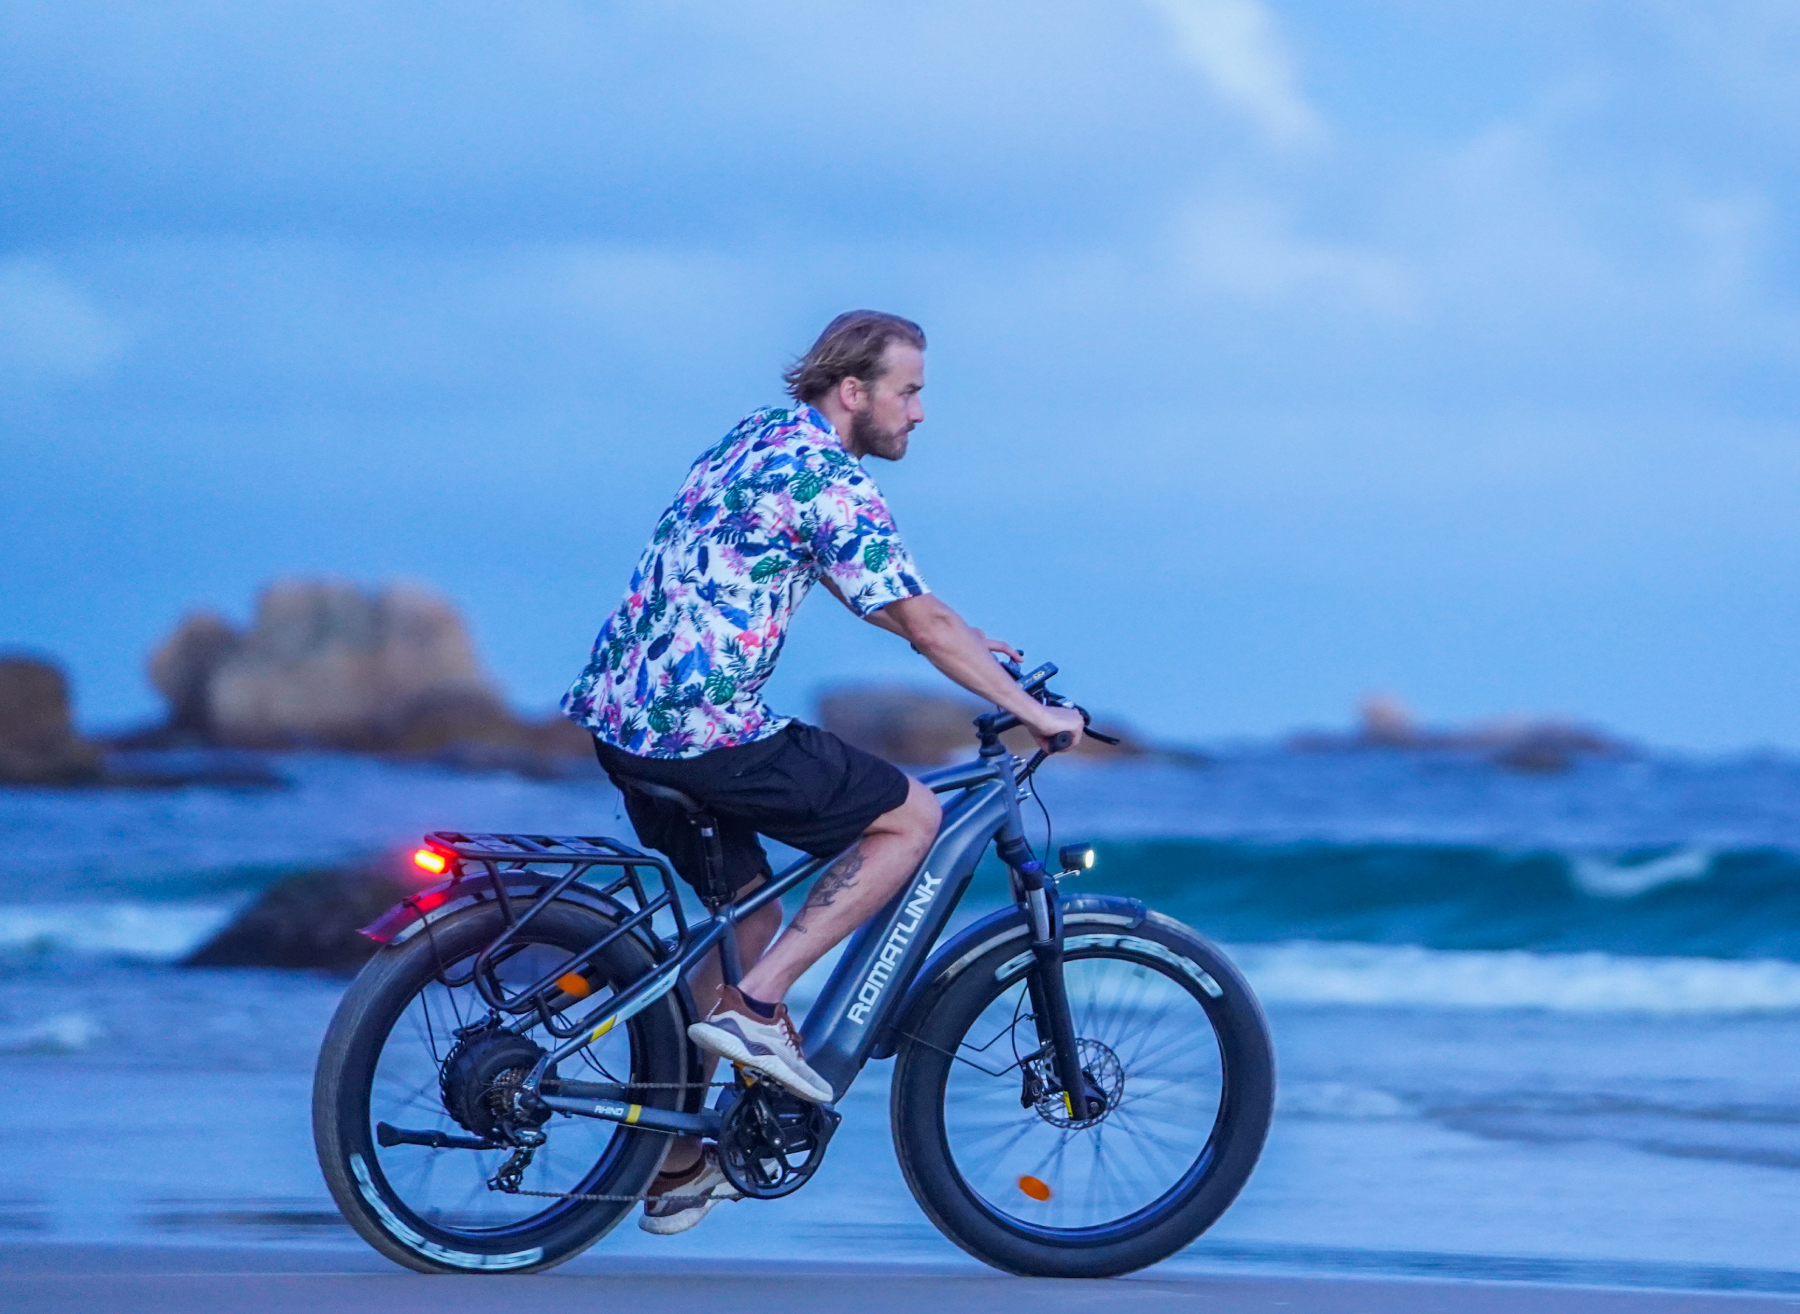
(482, 1083)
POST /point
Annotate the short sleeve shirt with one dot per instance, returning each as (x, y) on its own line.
(678, 669)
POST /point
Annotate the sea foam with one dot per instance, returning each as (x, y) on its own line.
(152, 932)
(1319, 972)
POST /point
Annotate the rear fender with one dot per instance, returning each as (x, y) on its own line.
(410, 916)
(956, 954)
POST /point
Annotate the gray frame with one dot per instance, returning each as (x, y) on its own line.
(873, 977)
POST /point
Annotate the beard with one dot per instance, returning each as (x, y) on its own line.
(868, 436)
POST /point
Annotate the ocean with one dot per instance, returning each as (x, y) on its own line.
(1534, 1027)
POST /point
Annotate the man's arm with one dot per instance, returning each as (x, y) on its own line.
(881, 620)
(962, 652)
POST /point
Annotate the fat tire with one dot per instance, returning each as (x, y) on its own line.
(1154, 1233)
(347, 1061)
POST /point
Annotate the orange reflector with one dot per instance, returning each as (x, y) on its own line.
(431, 860)
(574, 983)
(1035, 1188)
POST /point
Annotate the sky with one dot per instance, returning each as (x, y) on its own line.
(1280, 351)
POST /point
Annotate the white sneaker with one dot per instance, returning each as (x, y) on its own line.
(734, 1031)
(677, 1201)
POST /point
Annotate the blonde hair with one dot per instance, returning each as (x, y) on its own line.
(851, 347)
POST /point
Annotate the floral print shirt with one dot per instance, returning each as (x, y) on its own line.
(678, 669)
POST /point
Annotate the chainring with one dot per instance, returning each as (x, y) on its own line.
(771, 1142)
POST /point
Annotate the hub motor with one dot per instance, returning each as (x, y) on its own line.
(480, 1081)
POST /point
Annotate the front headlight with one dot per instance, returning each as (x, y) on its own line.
(1076, 857)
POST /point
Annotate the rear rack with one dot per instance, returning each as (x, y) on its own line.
(496, 855)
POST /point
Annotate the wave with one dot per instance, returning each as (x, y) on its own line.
(157, 933)
(1670, 901)
(1282, 972)
(64, 1033)
(1314, 972)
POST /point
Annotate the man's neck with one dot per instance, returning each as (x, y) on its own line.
(840, 421)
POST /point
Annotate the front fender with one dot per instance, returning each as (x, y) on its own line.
(997, 928)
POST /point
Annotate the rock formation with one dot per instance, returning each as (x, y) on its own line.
(1535, 746)
(901, 724)
(38, 743)
(332, 664)
(914, 728)
(182, 669)
(309, 921)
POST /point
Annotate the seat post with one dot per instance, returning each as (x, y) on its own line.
(711, 887)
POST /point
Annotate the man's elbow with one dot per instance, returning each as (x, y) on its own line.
(931, 627)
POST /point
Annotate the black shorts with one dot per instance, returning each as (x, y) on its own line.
(802, 785)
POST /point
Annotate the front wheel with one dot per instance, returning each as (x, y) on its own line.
(1170, 1035)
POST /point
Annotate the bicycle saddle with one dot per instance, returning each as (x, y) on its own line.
(668, 794)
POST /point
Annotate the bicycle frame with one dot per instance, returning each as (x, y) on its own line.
(879, 962)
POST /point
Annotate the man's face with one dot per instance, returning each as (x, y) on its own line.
(889, 407)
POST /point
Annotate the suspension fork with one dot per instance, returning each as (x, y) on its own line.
(1049, 992)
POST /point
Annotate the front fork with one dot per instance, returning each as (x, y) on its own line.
(1049, 993)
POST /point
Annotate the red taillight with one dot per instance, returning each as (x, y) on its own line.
(430, 860)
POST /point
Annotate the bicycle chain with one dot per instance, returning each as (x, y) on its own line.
(641, 1195)
(627, 1199)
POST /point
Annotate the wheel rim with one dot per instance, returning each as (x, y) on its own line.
(1150, 1047)
(446, 1189)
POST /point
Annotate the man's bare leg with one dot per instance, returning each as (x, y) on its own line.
(753, 936)
(842, 899)
(850, 892)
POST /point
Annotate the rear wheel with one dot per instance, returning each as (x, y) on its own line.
(1168, 1033)
(414, 1047)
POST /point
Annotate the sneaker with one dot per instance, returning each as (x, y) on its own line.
(677, 1201)
(736, 1032)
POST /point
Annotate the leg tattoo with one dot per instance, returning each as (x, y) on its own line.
(840, 876)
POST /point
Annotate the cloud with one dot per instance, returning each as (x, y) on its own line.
(1237, 46)
(1247, 249)
(50, 329)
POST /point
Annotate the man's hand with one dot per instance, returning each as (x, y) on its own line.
(1051, 721)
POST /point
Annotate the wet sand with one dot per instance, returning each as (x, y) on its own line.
(48, 1278)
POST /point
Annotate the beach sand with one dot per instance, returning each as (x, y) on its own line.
(96, 1279)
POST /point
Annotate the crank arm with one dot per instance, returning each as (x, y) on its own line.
(436, 1140)
(705, 1123)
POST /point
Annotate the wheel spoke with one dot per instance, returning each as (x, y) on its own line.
(447, 1188)
(1149, 1042)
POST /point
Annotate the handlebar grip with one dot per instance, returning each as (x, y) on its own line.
(1061, 740)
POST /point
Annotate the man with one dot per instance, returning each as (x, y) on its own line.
(672, 691)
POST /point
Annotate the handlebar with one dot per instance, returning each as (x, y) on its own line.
(1036, 683)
